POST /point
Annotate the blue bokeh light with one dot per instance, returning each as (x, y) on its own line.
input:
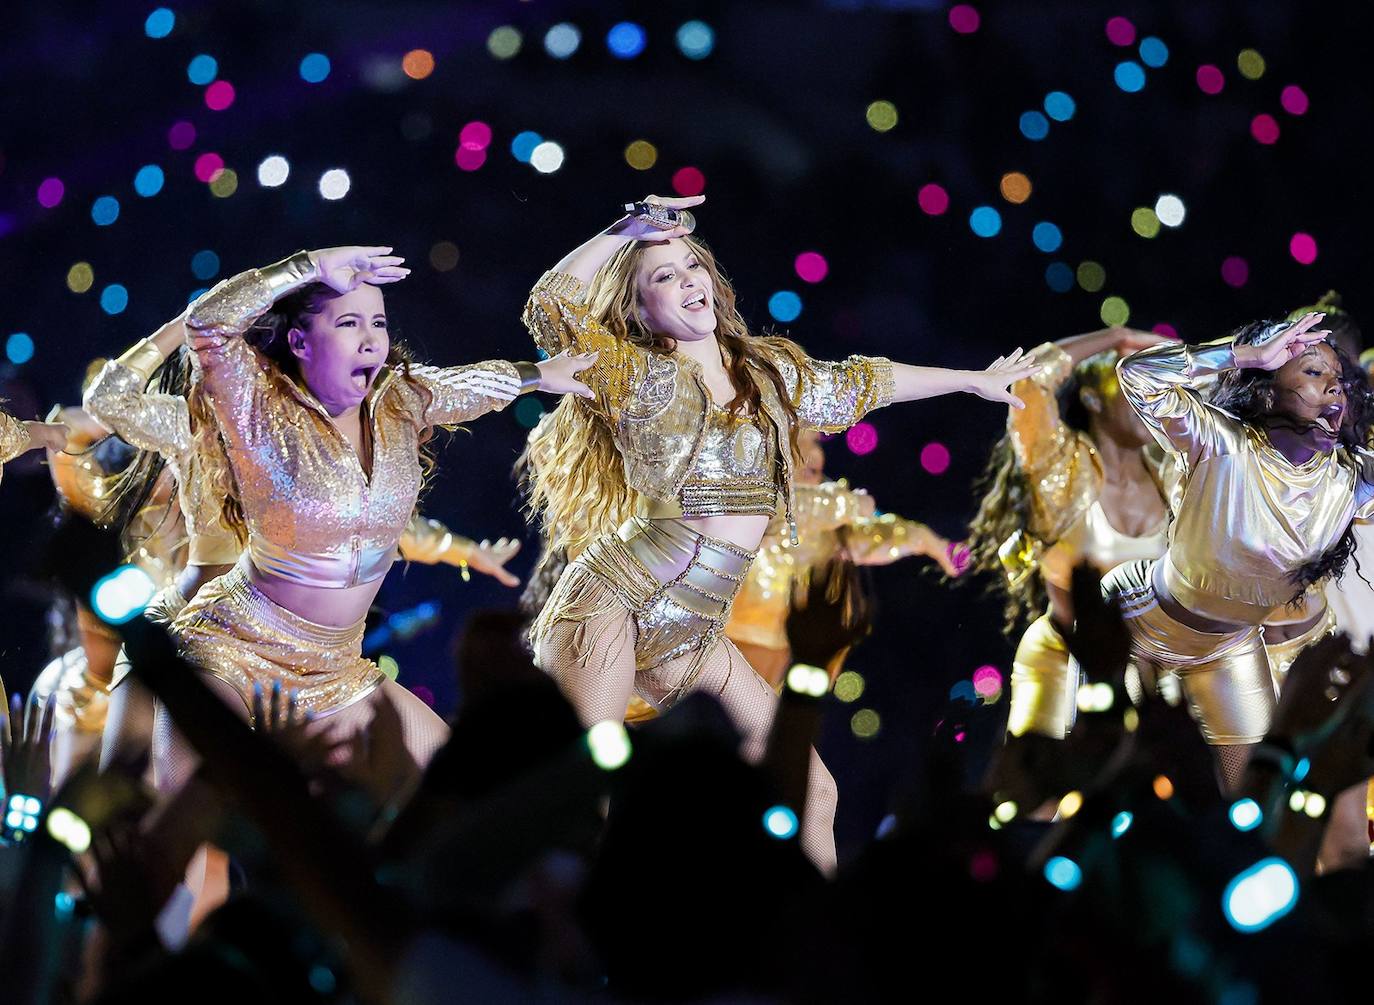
(523, 145)
(204, 264)
(1034, 125)
(105, 210)
(148, 181)
(315, 68)
(1047, 237)
(696, 39)
(985, 221)
(1130, 76)
(19, 348)
(626, 40)
(1063, 873)
(1153, 52)
(785, 306)
(202, 69)
(114, 298)
(160, 23)
(1059, 277)
(1059, 106)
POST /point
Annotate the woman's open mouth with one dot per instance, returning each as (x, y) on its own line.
(1329, 422)
(362, 377)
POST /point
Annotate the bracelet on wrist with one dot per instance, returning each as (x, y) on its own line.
(530, 377)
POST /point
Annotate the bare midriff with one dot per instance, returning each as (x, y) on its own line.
(334, 607)
(742, 531)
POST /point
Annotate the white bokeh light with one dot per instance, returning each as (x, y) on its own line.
(1170, 210)
(334, 183)
(273, 171)
(547, 157)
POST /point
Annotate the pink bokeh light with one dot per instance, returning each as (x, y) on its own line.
(987, 680)
(1235, 271)
(469, 158)
(1210, 79)
(208, 167)
(181, 135)
(982, 866)
(964, 19)
(50, 192)
(1303, 247)
(1294, 100)
(1165, 329)
(932, 199)
(689, 181)
(1120, 31)
(935, 458)
(219, 95)
(475, 135)
(811, 266)
(861, 438)
(1265, 128)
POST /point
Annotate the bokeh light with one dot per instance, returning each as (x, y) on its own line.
(1015, 187)
(1251, 64)
(1048, 238)
(932, 199)
(963, 691)
(1129, 76)
(881, 115)
(1115, 312)
(1034, 125)
(443, 256)
(689, 181)
(626, 40)
(1153, 52)
(50, 192)
(696, 39)
(1059, 106)
(1091, 276)
(181, 136)
(19, 348)
(469, 158)
(985, 221)
(987, 680)
(273, 171)
(811, 266)
(417, 64)
(562, 40)
(1120, 31)
(641, 155)
(780, 822)
(335, 183)
(1210, 79)
(522, 146)
(1294, 100)
(1145, 221)
(528, 411)
(476, 135)
(80, 277)
(1303, 248)
(314, 68)
(849, 685)
(204, 264)
(224, 184)
(1163, 787)
(861, 438)
(202, 69)
(934, 458)
(208, 166)
(1059, 277)
(105, 210)
(1245, 814)
(1265, 128)
(114, 298)
(1170, 210)
(865, 724)
(785, 306)
(1235, 271)
(964, 19)
(547, 157)
(148, 180)
(219, 95)
(159, 23)
(1165, 329)
(1259, 896)
(504, 42)
(1063, 873)
(1121, 823)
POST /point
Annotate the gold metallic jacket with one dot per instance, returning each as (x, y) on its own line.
(14, 439)
(313, 514)
(1065, 475)
(1248, 517)
(830, 522)
(657, 405)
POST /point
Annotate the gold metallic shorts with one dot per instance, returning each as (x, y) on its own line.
(677, 584)
(1224, 676)
(1044, 683)
(233, 632)
(1282, 654)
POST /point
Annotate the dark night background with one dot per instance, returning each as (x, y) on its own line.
(774, 117)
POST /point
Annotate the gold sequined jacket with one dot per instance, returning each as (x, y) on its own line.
(1247, 517)
(313, 514)
(14, 439)
(830, 523)
(657, 404)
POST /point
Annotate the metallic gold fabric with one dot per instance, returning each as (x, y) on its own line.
(1282, 654)
(119, 398)
(82, 699)
(1247, 517)
(14, 439)
(657, 405)
(735, 469)
(304, 493)
(677, 583)
(1224, 676)
(233, 632)
(1092, 538)
(429, 542)
(1044, 683)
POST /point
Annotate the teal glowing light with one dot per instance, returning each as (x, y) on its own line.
(1260, 895)
(1245, 815)
(1063, 873)
(1121, 823)
(780, 822)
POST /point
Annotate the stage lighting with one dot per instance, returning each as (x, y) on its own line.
(1059, 277)
(149, 180)
(562, 40)
(1091, 276)
(69, 829)
(1015, 187)
(50, 192)
(641, 155)
(934, 458)
(1145, 221)
(273, 171)
(1047, 237)
(208, 166)
(1303, 248)
(105, 210)
(985, 221)
(1063, 873)
(335, 183)
(1121, 823)
(785, 306)
(80, 277)
(626, 40)
(865, 724)
(524, 144)
(1294, 100)
(808, 680)
(219, 95)
(1251, 64)
(1245, 815)
(1129, 76)
(1170, 210)
(122, 595)
(1059, 106)
(114, 298)
(861, 438)
(202, 69)
(1153, 52)
(609, 744)
(849, 685)
(159, 23)
(1034, 125)
(780, 822)
(1235, 271)
(696, 39)
(1260, 895)
(547, 157)
(224, 184)
(932, 199)
(811, 266)
(1115, 313)
(204, 264)
(315, 68)
(881, 116)
(19, 348)
(504, 42)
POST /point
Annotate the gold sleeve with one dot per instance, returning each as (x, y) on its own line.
(878, 540)
(1160, 383)
(14, 437)
(456, 394)
(558, 319)
(831, 397)
(118, 399)
(429, 542)
(826, 506)
(1058, 462)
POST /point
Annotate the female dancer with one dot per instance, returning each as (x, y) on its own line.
(18, 437)
(323, 419)
(1273, 470)
(834, 523)
(1074, 479)
(685, 443)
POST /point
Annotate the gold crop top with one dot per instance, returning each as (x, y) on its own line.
(314, 516)
(734, 471)
(658, 407)
(1247, 517)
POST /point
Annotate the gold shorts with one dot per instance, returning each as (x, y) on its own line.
(1044, 683)
(1224, 676)
(677, 584)
(1282, 654)
(235, 633)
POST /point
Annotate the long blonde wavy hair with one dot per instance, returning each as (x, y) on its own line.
(571, 471)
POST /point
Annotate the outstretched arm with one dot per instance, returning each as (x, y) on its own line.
(119, 400)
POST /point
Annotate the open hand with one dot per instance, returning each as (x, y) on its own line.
(25, 742)
(490, 558)
(1281, 344)
(48, 435)
(995, 382)
(345, 269)
(558, 374)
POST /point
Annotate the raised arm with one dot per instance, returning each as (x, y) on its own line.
(118, 397)
(17, 437)
(429, 542)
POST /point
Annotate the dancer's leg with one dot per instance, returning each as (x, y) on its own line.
(128, 724)
(593, 662)
(422, 728)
